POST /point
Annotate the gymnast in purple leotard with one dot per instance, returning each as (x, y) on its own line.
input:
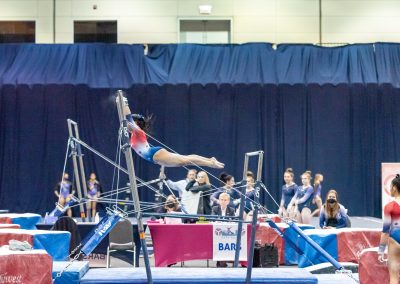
(64, 190)
(94, 190)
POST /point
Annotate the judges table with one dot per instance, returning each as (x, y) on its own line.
(25, 220)
(174, 243)
(33, 266)
(287, 254)
(345, 245)
(55, 243)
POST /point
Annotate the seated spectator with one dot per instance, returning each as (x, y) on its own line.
(172, 206)
(333, 214)
(222, 209)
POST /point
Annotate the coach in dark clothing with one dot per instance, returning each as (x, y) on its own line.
(202, 185)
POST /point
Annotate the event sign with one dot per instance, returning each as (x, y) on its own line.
(224, 242)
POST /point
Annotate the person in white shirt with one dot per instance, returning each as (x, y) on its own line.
(180, 185)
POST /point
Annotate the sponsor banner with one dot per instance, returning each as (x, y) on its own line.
(224, 242)
(389, 172)
(96, 259)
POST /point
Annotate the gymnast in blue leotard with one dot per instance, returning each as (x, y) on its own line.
(391, 232)
(288, 191)
(300, 204)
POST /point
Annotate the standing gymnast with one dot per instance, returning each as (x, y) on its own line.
(137, 126)
(301, 201)
(288, 191)
(64, 191)
(94, 191)
(391, 232)
(317, 200)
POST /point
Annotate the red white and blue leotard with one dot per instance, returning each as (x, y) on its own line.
(139, 142)
(391, 221)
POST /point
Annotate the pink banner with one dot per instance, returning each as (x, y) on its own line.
(6, 235)
(25, 267)
(353, 241)
(173, 243)
(370, 270)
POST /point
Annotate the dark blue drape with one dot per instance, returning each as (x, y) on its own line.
(121, 66)
(342, 131)
(330, 110)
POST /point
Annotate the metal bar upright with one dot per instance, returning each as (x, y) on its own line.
(72, 129)
(132, 181)
(255, 214)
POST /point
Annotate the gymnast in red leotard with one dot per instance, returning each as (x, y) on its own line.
(391, 232)
(158, 155)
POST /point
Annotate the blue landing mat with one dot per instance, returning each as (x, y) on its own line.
(337, 278)
(198, 275)
(73, 274)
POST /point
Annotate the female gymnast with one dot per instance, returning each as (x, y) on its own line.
(391, 232)
(301, 201)
(64, 190)
(228, 182)
(317, 200)
(288, 191)
(137, 126)
(94, 190)
(333, 214)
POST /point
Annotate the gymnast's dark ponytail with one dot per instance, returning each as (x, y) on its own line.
(224, 177)
(396, 182)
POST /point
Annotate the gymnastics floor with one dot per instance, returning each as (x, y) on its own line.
(197, 275)
(80, 273)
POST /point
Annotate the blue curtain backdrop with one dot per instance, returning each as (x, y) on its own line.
(329, 110)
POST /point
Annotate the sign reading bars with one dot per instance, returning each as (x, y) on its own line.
(224, 242)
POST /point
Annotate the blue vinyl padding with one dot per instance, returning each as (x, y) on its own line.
(198, 275)
(28, 223)
(311, 257)
(291, 256)
(73, 274)
(55, 243)
(336, 278)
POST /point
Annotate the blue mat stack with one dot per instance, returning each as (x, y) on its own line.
(73, 274)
